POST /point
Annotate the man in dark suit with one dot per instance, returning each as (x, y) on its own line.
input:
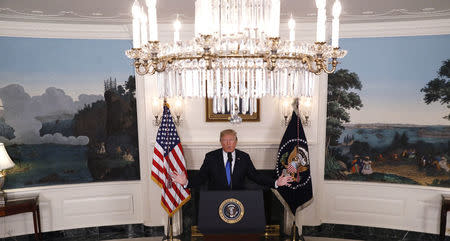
(226, 168)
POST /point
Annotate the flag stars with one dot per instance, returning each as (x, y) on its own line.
(167, 135)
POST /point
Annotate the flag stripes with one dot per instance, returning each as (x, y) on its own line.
(168, 158)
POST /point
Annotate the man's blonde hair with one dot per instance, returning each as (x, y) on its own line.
(228, 132)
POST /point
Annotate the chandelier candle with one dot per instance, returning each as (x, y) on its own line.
(152, 20)
(274, 30)
(336, 13)
(321, 20)
(144, 27)
(291, 25)
(176, 32)
(136, 10)
(236, 56)
(203, 16)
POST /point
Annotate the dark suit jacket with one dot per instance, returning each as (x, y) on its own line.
(213, 172)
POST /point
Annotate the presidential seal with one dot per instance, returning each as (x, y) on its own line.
(231, 210)
(294, 161)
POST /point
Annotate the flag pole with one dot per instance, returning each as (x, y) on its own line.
(293, 231)
(170, 227)
(169, 221)
(169, 236)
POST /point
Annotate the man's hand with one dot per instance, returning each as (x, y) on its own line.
(284, 180)
(179, 178)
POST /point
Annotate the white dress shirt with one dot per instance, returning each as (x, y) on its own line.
(225, 159)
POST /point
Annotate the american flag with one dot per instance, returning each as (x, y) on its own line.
(167, 158)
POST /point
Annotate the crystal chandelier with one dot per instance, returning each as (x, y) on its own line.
(236, 55)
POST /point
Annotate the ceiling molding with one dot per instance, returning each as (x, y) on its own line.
(7, 14)
(395, 29)
(396, 15)
(304, 32)
(60, 30)
(165, 17)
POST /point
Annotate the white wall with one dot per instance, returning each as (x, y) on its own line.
(108, 203)
(81, 205)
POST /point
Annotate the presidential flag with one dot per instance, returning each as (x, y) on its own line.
(293, 159)
(167, 158)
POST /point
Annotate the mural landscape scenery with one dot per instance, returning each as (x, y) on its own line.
(385, 122)
(412, 152)
(65, 120)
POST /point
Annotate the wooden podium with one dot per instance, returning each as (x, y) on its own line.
(231, 215)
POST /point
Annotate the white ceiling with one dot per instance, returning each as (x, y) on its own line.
(118, 11)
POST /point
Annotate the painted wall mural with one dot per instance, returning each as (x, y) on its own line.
(69, 111)
(388, 112)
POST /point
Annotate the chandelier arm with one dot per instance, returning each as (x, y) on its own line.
(209, 58)
(177, 58)
(164, 62)
(270, 62)
(153, 71)
(334, 63)
(237, 56)
(138, 65)
(308, 61)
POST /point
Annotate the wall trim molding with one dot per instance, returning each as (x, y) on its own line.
(17, 192)
(387, 185)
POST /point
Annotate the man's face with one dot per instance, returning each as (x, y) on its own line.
(228, 142)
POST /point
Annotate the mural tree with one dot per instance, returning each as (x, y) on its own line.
(438, 89)
(111, 126)
(130, 85)
(341, 98)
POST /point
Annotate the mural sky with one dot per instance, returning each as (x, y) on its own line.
(81, 69)
(392, 71)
